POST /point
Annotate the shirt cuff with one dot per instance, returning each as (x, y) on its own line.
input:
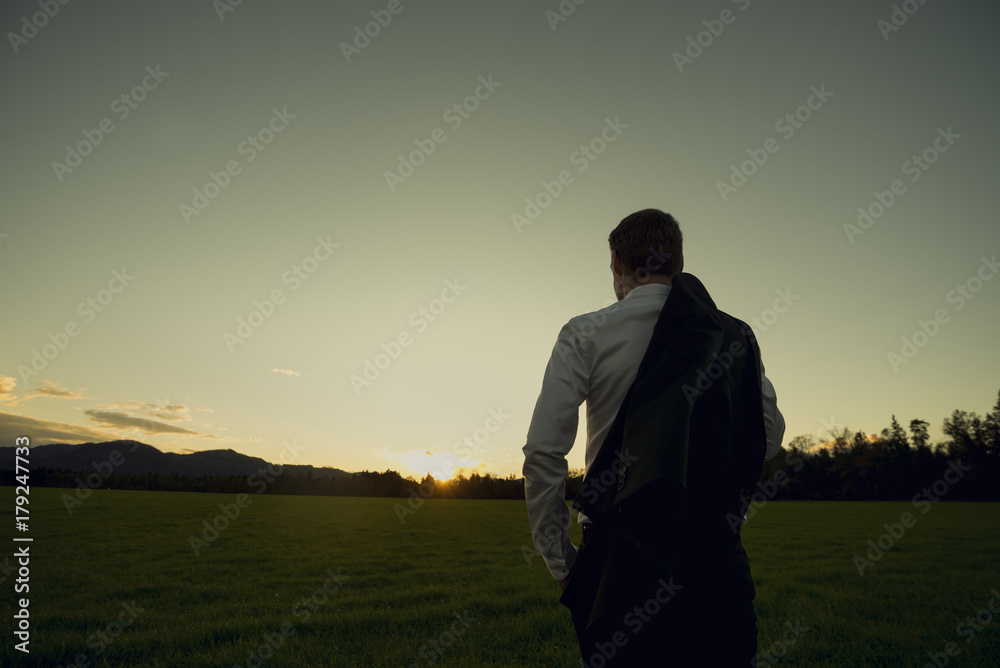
(560, 573)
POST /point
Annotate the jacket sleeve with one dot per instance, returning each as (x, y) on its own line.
(551, 434)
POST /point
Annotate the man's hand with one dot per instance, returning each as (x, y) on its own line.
(562, 583)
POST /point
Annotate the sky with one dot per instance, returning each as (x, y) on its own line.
(217, 217)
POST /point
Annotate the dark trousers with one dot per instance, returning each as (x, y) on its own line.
(679, 632)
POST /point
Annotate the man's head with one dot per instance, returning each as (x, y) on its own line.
(646, 247)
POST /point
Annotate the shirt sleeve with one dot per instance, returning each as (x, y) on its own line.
(774, 422)
(551, 434)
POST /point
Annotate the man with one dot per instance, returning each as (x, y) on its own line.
(679, 419)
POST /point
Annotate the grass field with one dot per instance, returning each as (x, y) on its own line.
(117, 583)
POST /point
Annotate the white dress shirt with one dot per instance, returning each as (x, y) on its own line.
(595, 359)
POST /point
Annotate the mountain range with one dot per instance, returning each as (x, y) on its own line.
(134, 457)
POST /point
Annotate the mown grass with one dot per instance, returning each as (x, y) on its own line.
(403, 583)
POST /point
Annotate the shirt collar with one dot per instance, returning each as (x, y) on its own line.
(648, 290)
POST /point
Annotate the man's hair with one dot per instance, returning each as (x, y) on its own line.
(648, 241)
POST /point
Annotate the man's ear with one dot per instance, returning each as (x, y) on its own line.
(616, 263)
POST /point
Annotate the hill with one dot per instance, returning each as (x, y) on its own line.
(137, 458)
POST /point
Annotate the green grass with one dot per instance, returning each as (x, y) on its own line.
(405, 582)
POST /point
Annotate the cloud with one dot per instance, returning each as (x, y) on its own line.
(7, 385)
(49, 389)
(170, 412)
(119, 420)
(133, 406)
(13, 425)
(114, 420)
(164, 410)
(287, 372)
(46, 388)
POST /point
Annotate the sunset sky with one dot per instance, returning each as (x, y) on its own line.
(256, 154)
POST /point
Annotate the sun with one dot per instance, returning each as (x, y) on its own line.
(446, 466)
(443, 466)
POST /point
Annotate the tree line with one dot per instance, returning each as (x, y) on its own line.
(894, 464)
(891, 465)
(366, 483)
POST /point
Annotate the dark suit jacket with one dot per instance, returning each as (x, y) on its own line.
(683, 453)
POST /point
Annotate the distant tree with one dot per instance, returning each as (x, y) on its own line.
(958, 428)
(803, 442)
(860, 443)
(991, 430)
(574, 482)
(897, 436)
(429, 485)
(841, 439)
(919, 430)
